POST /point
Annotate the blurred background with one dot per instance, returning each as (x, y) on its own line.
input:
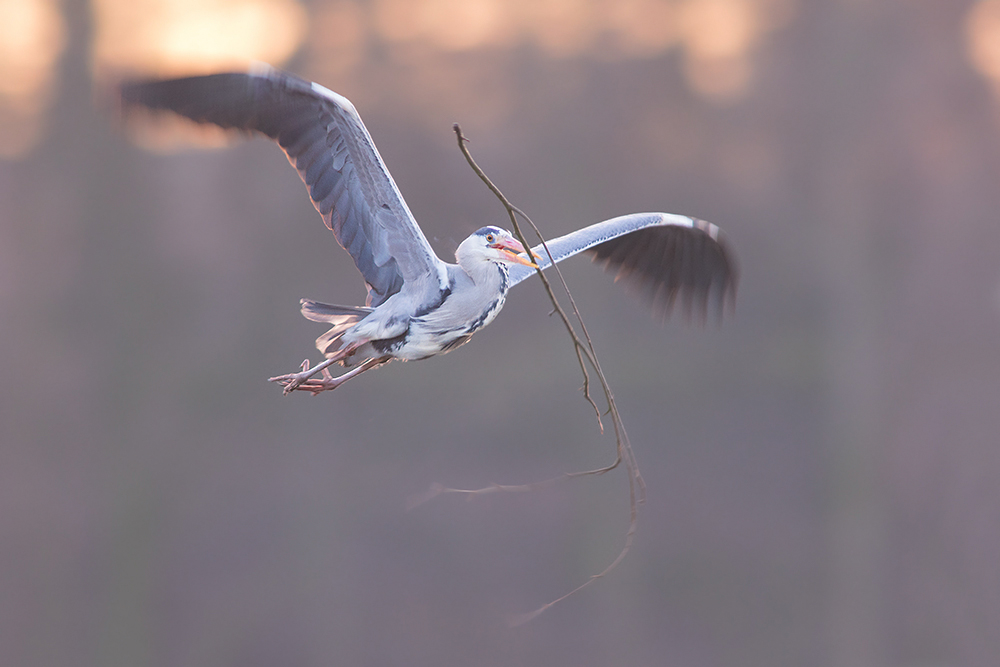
(821, 468)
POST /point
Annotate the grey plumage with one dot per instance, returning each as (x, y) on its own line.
(326, 142)
(661, 255)
(418, 305)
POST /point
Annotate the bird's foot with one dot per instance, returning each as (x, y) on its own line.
(304, 380)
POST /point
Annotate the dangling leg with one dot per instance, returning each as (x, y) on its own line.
(327, 382)
(291, 381)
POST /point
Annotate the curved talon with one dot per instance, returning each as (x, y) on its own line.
(293, 381)
(304, 380)
(290, 382)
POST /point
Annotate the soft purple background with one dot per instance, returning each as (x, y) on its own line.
(822, 470)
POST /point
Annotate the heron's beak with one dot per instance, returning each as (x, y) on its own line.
(513, 249)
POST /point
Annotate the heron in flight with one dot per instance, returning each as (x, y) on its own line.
(418, 305)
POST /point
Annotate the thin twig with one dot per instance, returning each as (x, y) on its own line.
(584, 349)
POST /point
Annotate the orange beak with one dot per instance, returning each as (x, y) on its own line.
(513, 249)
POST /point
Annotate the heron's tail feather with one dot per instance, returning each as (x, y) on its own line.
(341, 317)
(325, 312)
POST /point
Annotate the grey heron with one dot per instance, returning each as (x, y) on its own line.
(419, 306)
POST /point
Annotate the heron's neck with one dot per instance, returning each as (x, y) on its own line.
(486, 274)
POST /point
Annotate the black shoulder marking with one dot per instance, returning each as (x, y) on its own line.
(479, 321)
(391, 345)
(437, 303)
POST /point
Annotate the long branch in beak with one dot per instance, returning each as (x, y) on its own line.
(513, 249)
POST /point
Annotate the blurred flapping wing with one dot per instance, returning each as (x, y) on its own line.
(325, 140)
(663, 256)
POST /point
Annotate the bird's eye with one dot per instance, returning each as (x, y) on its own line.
(490, 238)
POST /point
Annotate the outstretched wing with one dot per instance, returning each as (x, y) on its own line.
(663, 255)
(325, 140)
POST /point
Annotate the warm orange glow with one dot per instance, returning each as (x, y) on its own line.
(32, 36)
(184, 36)
(982, 28)
(718, 29)
(460, 25)
(562, 28)
(717, 37)
(640, 28)
(177, 37)
(338, 38)
(633, 28)
(449, 25)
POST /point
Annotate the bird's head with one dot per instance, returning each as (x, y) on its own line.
(495, 245)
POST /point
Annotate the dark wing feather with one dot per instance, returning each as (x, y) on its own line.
(665, 256)
(326, 142)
